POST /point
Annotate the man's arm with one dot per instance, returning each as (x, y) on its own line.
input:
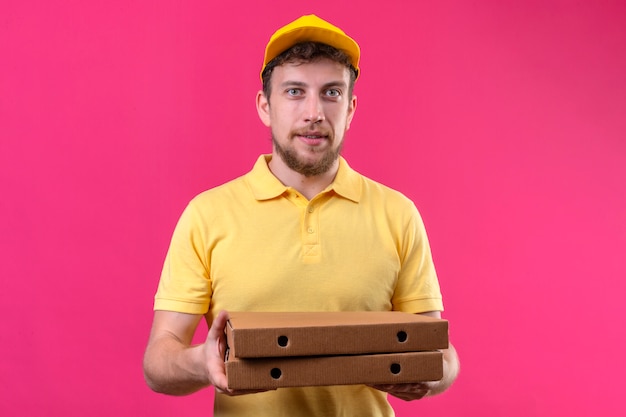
(451, 365)
(173, 366)
(416, 391)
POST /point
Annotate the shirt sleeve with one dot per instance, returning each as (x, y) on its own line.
(417, 289)
(185, 284)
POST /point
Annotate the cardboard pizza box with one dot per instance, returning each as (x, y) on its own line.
(266, 334)
(393, 368)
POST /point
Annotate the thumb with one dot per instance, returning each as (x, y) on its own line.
(216, 335)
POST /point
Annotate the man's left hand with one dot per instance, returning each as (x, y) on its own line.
(406, 392)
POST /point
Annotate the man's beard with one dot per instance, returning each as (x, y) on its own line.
(290, 158)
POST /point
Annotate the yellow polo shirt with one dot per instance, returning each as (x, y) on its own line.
(254, 244)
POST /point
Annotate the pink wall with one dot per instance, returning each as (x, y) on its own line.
(504, 121)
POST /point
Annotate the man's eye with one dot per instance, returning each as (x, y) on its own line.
(333, 92)
(293, 92)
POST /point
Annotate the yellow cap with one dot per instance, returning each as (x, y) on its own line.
(311, 29)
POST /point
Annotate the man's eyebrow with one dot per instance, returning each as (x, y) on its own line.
(340, 84)
(293, 84)
(329, 84)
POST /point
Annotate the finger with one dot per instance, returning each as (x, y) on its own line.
(233, 393)
(416, 395)
(401, 387)
(216, 331)
(217, 375)
(406, 392)
(216, 345)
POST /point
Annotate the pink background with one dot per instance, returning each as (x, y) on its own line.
(504, 121)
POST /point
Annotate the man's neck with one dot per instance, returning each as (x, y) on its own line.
(308, 186)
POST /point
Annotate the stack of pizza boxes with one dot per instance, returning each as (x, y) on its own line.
(273, 350)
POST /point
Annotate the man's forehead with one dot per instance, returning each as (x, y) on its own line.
(323, 71)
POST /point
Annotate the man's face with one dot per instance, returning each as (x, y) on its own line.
(308, 112)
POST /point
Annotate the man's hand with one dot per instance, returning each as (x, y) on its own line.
(214, 349)
(409, 392)
(406, 392)
(214, 352)
(173, 366)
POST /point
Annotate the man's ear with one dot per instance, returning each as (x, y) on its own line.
(351, 110)
(263, 108)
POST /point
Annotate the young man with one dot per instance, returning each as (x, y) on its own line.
(301, 232)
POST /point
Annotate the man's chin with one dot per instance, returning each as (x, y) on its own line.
(307, 161)
(312, 168)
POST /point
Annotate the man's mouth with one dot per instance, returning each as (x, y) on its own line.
(311, 138)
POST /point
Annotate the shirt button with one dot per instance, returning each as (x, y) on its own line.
(310, 230)
(310, 210)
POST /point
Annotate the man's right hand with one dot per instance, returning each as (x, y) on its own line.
(214, 352)
(172, 366)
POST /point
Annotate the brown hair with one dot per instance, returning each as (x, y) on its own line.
(307, 52)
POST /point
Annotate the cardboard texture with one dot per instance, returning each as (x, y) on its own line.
(394, 368)
(265, 334)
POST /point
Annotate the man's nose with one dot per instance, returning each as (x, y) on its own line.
(313, 111)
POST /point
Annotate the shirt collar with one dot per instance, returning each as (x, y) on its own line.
(347, 182)
(265, 185)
